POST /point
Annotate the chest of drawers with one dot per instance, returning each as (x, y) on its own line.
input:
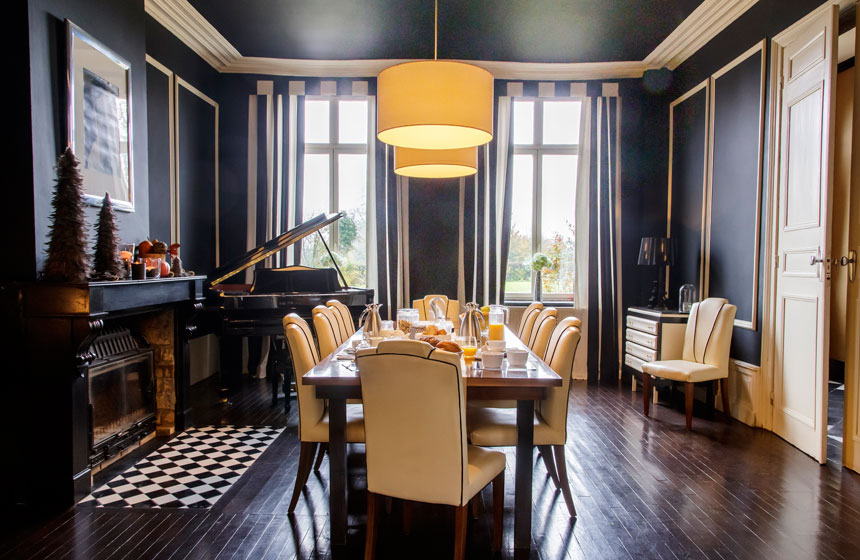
(651, 335)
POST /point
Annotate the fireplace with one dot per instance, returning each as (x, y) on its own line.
(121, 392)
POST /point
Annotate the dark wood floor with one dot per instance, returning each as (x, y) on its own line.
(644, 488)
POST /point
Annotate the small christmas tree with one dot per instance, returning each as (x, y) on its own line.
(67, 246)
(106, 261)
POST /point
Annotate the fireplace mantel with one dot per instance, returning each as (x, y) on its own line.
(47, 408)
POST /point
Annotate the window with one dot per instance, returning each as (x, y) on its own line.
(335, 180)
(545, 160)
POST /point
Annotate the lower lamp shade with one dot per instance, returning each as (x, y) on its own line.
(435, 164)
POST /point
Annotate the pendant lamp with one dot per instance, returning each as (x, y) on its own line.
(435, 164)
(435, 104)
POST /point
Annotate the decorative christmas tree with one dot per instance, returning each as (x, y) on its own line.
(67, 246)
(106, 262)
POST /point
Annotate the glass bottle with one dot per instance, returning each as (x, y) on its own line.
(686, 298)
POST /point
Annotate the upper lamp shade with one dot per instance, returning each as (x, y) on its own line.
(435, 164)
(434, 105)
(655, 251)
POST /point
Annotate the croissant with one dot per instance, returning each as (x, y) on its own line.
(449, 346)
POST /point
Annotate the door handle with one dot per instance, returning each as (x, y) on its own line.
(851, 262)
(813, 260)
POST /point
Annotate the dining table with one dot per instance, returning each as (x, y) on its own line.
(337, 380)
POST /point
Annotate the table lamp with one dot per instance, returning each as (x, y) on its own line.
(657, 251)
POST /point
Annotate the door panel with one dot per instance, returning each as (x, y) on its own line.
(801, 328)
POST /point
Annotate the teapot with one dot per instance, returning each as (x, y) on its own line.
(473, 321)
(370, 321)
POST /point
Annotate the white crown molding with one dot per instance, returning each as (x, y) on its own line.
(180, 18)
(705, 23)
(189, 26)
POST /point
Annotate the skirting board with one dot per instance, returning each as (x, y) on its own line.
(744, 385)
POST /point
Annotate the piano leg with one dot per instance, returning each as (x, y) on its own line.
(277, 366)
(231, 366)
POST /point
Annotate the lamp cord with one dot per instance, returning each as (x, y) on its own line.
(435, 30)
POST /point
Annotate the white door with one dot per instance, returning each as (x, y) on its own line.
(801, 354)
(851, 426)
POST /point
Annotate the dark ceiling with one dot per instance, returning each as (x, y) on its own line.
(505, 30)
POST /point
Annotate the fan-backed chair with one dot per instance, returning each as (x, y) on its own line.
(707, 342)
(313, 413)
(347, 326)
(544, 324)
(415, 420)
(452, 308)
(327, 329)
(497, 427)
(527, 323)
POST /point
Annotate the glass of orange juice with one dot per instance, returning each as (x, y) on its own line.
(470, 348)
(496, 331)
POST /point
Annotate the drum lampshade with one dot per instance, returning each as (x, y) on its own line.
(435, 164)
(435, 105)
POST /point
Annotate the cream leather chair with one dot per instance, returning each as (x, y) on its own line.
(347, 326)
(497, 427)
(707, 342)
(527, 323)
(545, 323)
(327, 329)
(313, 415)
(452, 308)
(414, 402)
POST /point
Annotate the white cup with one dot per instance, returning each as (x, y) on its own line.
(492, 360)
(496, 345)
(517, 357)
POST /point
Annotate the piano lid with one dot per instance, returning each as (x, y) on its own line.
(272, 246)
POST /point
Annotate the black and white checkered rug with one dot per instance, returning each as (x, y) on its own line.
(193, 470)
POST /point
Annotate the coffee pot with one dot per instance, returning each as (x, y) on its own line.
(370, 321)
(473, 321)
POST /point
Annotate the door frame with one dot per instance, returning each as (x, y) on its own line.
(768, 342)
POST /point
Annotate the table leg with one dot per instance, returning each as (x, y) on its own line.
(337, 469)
(523, 477)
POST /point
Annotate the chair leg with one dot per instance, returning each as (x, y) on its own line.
(476, 505)
(306, 459)
(320, 454)
(561, 467)
(407, 517)
(461, 521)
(372, 515)
(688, 403)
(724, 391)
(646, 393)
(498, 509)
(546, 455)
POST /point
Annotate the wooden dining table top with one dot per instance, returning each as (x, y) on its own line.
(331, 371)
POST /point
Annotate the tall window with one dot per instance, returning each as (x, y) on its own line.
(335, 180)
(546, 154)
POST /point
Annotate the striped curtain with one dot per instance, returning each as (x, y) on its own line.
(604, 310)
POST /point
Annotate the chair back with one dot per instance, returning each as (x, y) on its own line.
(344, 317)
(708, 337)
(415, 422)
(527, 323)
(452, 308)
(304, 356)
(560, 354)
(327, 329)
(545, 322)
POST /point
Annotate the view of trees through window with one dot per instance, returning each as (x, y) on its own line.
(335, 180)
(545, 161)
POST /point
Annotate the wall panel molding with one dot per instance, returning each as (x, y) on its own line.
(745, 387)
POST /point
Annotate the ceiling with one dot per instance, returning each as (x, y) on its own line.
(542, 31)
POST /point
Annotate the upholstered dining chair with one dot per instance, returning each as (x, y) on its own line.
(415, 421)
(452, 308)
(497, 427)
(347, 326)
(327, 328)
(544, 325)
(527, 323)
(313, 414)
(707, 342)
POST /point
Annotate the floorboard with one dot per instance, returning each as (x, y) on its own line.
(643, 487)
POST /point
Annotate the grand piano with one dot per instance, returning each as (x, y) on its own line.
(256, 310)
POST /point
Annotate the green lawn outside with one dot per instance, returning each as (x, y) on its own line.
(520, 287)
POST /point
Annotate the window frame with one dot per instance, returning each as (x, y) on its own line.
(537, 150)
(333, 148)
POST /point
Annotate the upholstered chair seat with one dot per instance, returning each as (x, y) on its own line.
(414, 404)
(313, 412)
(707, 342)
(497, 427)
